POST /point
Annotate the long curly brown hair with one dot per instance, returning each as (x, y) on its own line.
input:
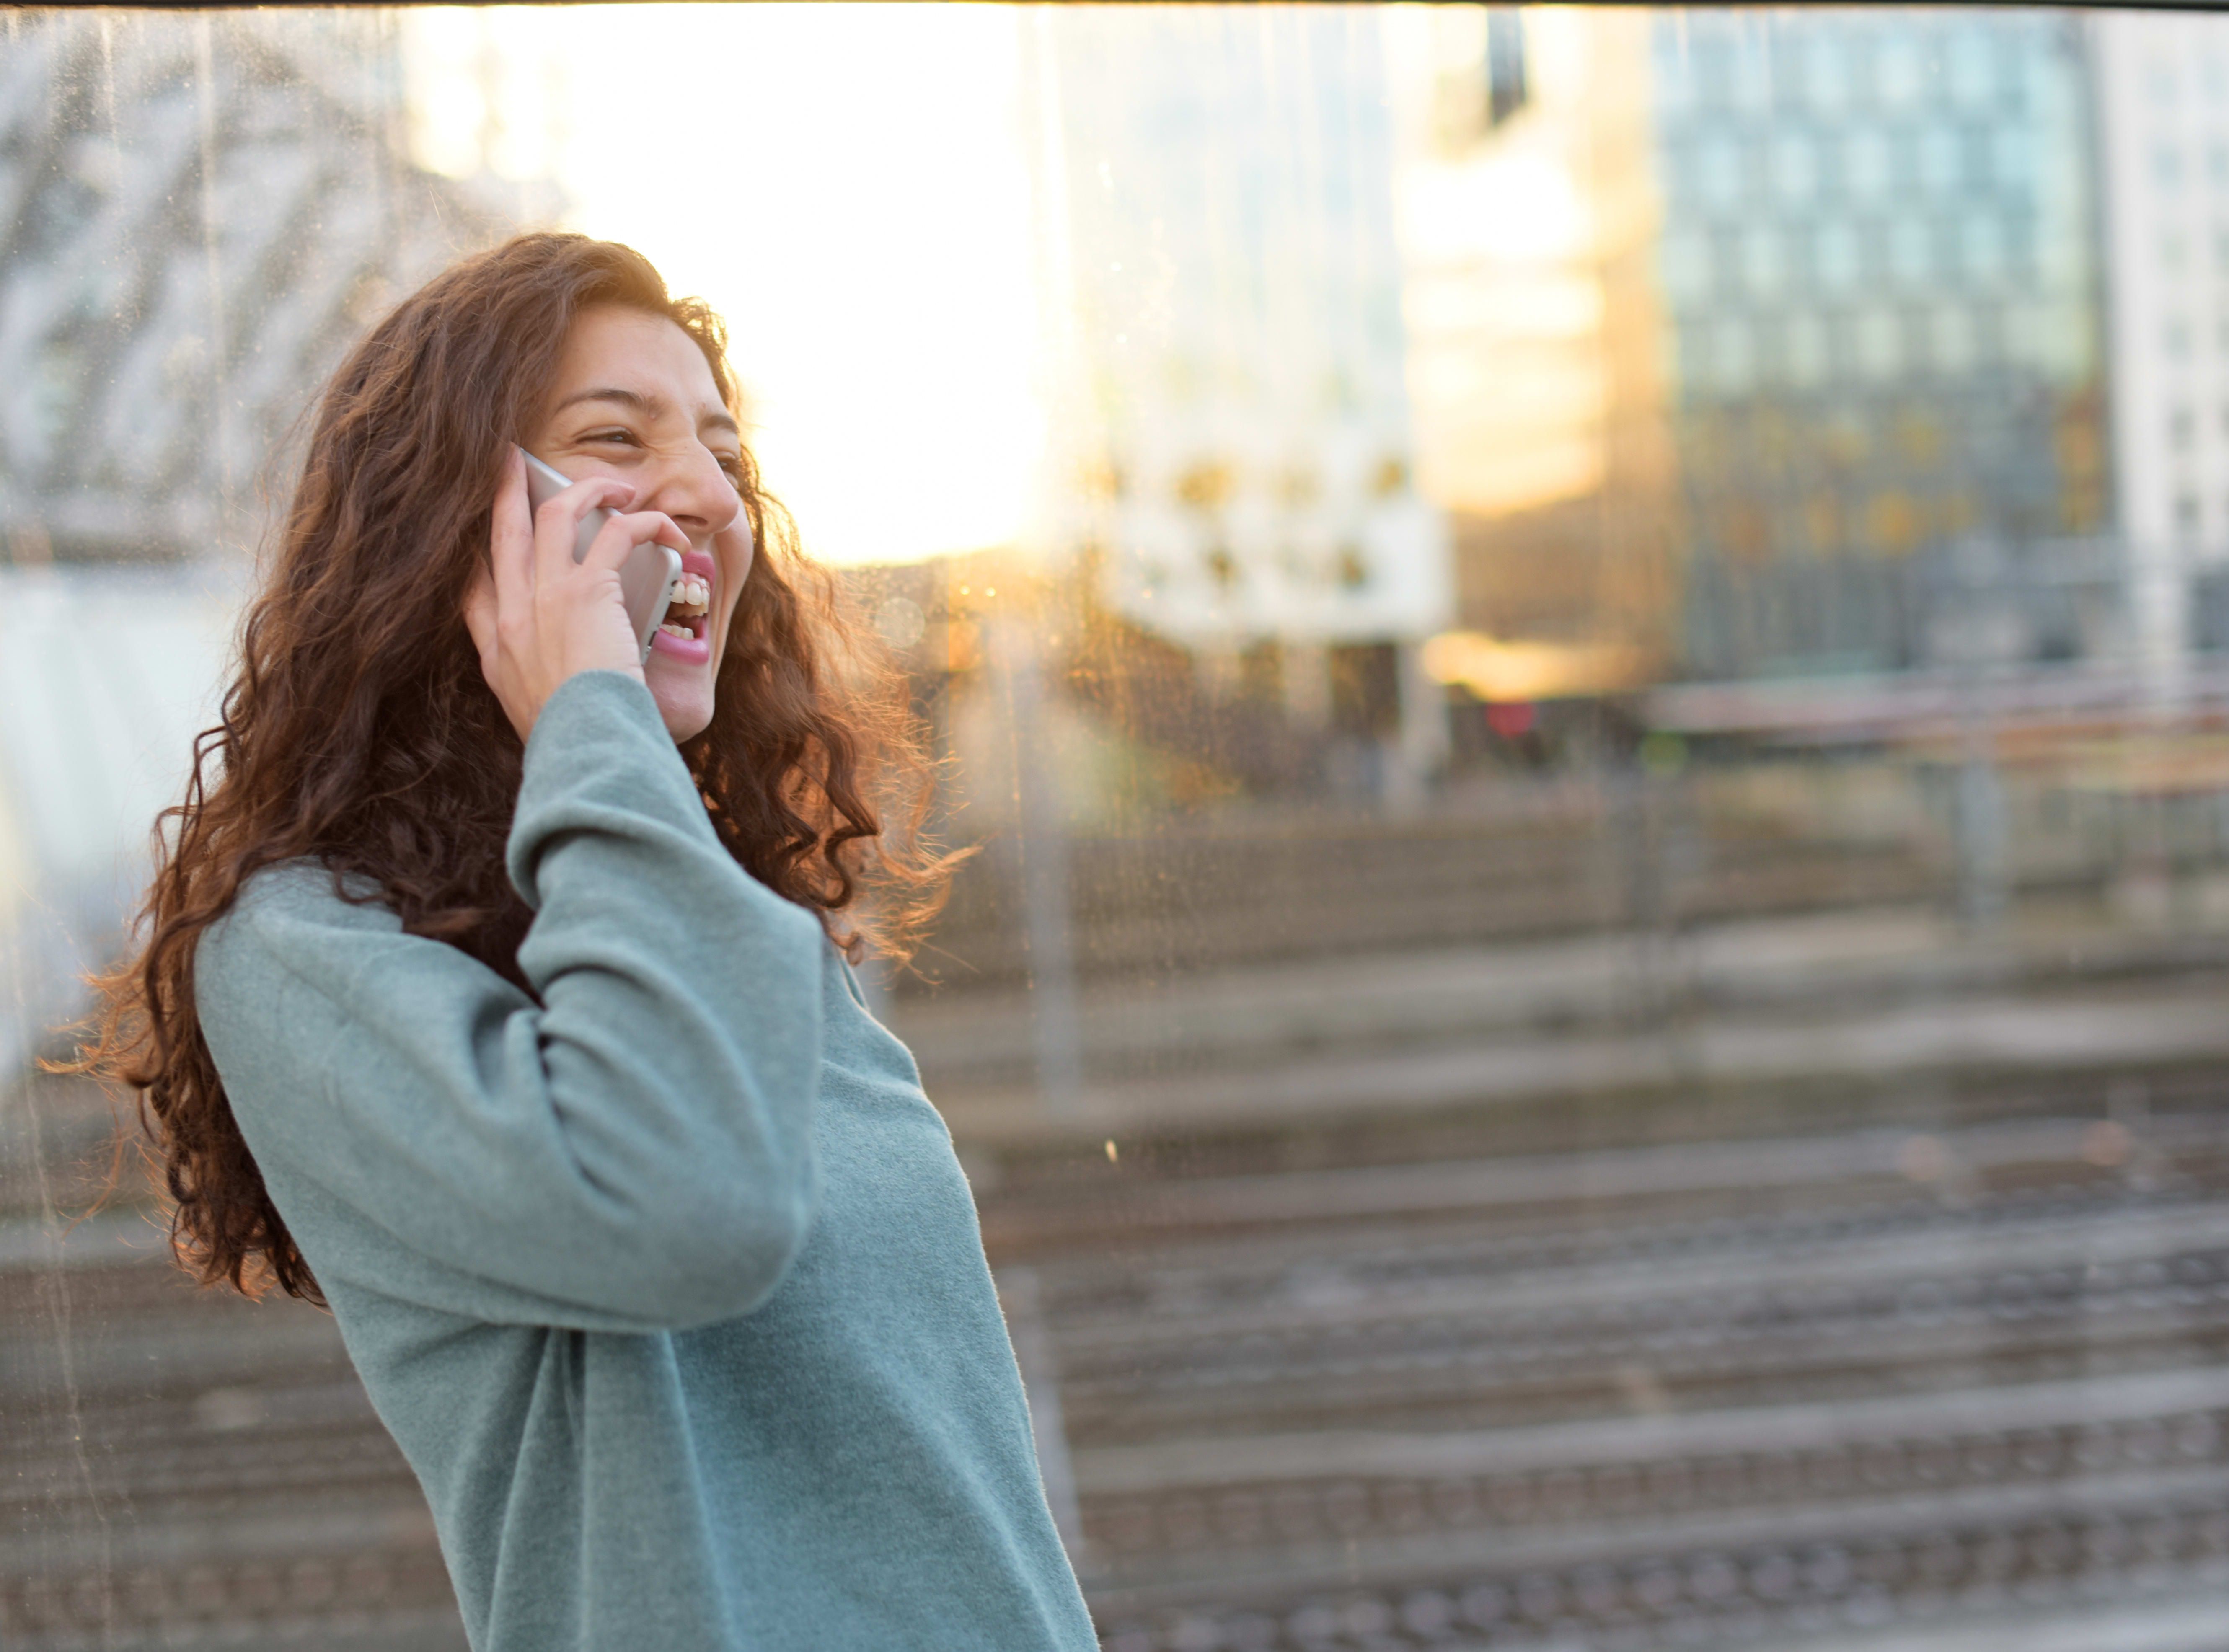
(358, 731)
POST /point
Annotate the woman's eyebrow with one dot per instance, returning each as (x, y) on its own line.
(645, 405)
(648, 407)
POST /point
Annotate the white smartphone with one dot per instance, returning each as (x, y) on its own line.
(648, 575)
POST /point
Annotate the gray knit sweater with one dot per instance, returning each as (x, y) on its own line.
(665, 1278)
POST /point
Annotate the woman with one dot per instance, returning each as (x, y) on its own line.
(495, 992)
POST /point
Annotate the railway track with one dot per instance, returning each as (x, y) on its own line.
(199, 1471)
(2140, 1561)
(1867, 1388)
(2121, 1285)
(1860, 1389)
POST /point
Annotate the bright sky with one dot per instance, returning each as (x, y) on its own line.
(845, 183)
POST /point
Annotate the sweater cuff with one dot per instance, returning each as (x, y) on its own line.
(591, 699)
(600, 758)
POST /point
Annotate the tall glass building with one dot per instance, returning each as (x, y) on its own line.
(1883, 299)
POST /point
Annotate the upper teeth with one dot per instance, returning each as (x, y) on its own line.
(692, 593)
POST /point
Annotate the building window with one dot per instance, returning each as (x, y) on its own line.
(1918, 342)
(1718, 170)
(1938, 160)
(1974, 143)
(1989, 334)
(2180, 428)
(2013, 155)
(1835, 256)
(1765, 263)
(1736, 367)
(1971, 73)
(2217, 164)
(1768, 334)
(1954, 338)
(2023, 248)
(1910, 250)
(2186, 515)
(1984, 237)
(1795, 167)
(1726, 267)
(1893, 522)
(2167, 166)
(1898, 75)
(1880, 351)
(2013, 65)
(1686, 266)
(1674, 73)
(1865, 163)
(1679, 165)
(2177, 340)
(1827, 72)
(1752, 75)
(1806, 347)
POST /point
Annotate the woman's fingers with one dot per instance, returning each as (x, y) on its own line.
(537, 617)
(511, 539)
(619, 535)
(558, 524)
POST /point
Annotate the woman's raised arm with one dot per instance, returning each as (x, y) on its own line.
(631, 1152)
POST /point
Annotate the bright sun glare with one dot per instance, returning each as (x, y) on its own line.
(848, 189)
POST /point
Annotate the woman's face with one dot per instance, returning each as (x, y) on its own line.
(635, 399)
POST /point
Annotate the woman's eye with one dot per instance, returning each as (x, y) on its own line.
(622, 436)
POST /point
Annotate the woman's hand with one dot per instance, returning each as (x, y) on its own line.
(537, 615)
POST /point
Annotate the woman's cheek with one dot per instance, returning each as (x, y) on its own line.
(738, 550)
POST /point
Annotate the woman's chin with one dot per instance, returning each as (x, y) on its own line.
(683, 694)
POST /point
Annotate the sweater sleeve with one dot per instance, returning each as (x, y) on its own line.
(631, 1152)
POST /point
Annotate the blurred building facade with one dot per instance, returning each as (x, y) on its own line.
(200, 211)
(1879, 265)
(2162, 82)
(1524, 172)
(1752, 343)
(1235, 451)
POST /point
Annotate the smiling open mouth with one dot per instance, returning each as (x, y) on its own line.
(689, 612)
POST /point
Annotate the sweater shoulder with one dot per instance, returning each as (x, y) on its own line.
(281, 914)
(292, 893)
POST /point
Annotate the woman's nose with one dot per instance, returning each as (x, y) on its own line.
(695, 492)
